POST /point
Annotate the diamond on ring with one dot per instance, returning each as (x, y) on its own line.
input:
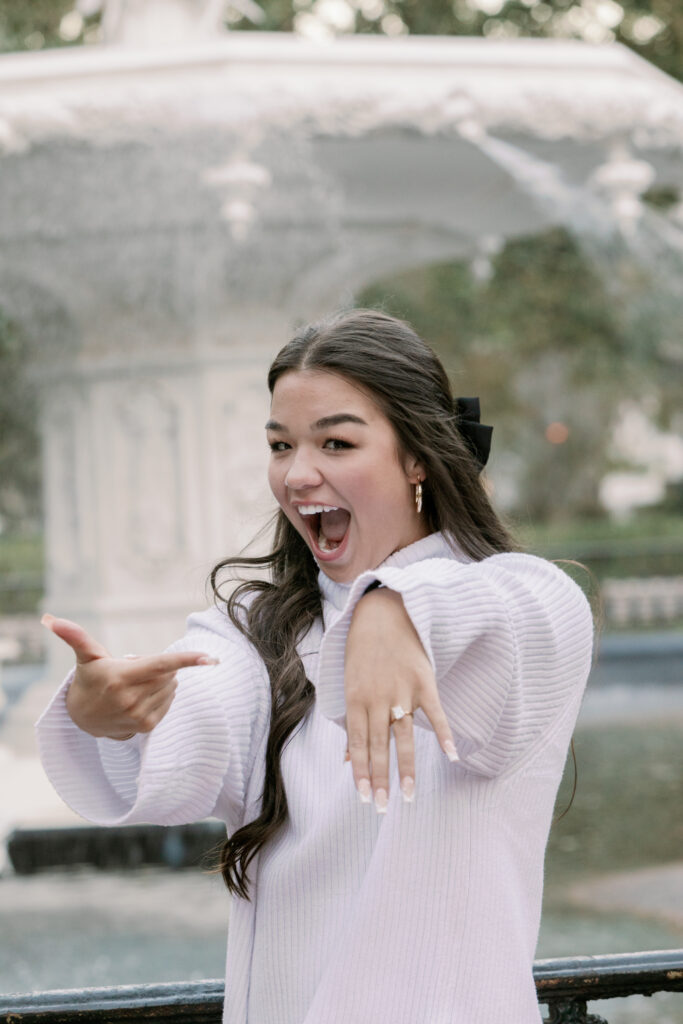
(398, 713)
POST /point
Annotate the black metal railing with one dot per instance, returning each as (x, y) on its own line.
(565, 986)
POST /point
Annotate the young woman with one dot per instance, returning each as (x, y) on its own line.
(382, 725)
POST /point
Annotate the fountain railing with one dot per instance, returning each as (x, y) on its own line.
(565, 986)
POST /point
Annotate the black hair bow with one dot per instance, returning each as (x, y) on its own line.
(477, 436)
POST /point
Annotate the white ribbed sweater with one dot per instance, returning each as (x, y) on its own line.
(429, 914)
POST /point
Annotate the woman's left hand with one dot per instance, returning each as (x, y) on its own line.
(386, 665)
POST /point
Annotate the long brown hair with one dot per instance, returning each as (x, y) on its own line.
(408, 383)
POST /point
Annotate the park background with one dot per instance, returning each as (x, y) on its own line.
(579, 364)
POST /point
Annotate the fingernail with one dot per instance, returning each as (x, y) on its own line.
(381, 801)
(347, 757)
(451, 753)
(47, 620)
(206, 660)
(408, 789)
(365, 791)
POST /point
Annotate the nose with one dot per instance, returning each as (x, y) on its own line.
(302, 472)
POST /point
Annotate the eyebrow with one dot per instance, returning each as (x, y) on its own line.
(321, 424)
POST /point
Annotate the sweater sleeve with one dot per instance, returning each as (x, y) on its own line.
(509, 640)
(193, 764)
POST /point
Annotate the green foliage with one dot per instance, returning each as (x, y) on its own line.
(33, 25)
(665, 50)
(21, 556)
(546, 343)
(20, 501)
(21, 573)
(580, 534)
(648, 544)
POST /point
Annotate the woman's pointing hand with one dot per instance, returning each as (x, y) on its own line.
(119, 697)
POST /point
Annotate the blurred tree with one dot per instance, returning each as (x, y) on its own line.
(34, 25)
(552, 351)
(20, 491)
(653, 28)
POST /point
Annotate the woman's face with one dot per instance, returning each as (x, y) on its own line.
(338, 475)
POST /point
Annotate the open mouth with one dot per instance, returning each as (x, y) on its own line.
(327, 527)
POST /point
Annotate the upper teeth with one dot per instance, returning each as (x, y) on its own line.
(314, 510)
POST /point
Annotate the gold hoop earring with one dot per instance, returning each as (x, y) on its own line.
(418, 496)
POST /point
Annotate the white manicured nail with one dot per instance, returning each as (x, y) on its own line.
(206, 660)
(381, 801)
(451, 753)
(408, 789)
(365, 791)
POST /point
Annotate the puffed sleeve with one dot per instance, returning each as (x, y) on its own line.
(509, 639)
(193, 764)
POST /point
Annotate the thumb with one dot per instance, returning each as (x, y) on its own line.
(84, 647)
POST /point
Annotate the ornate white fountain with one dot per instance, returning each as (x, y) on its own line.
(169, 211)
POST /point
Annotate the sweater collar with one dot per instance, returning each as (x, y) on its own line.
(433, 546)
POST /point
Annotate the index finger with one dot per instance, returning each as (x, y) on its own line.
(88, 649)
(169, 663)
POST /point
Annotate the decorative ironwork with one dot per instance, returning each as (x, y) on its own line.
(572, 1011)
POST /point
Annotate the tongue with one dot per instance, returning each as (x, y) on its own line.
(333, 525)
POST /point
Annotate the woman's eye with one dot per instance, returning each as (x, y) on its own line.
(336, 444)
(278, 446)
